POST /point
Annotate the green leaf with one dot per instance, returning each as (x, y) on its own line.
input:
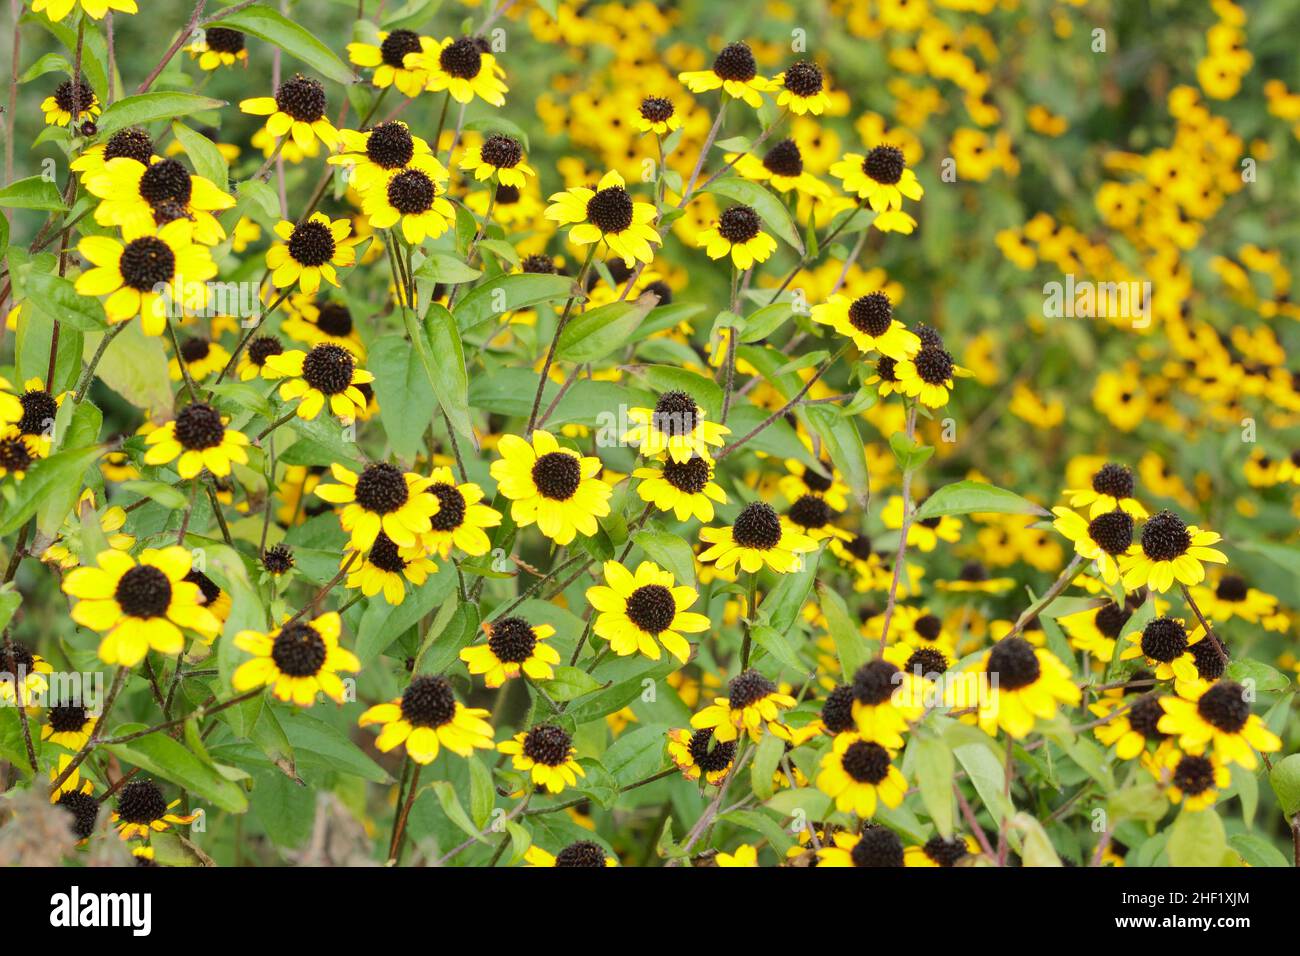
(706, 392)
(843, 444)
(670, 552)
(986, 772)
(778, 645)
(1197, 838)
(1257, 851)
(569, 683)
(975, 497)
(509, 293)
(162, 756)
(135, 366)
(935, 769)
(594, 334)
(759, 325)
(768, 757)
(404, 393)
(636, 754)
(451, 806)
(447, 269)
(34, 192)
(145, 108)
(55, 478)
(10, 599)
(1265, 678)
(1037, 847)
(49, 63)
(203, 153)
(318, 743)
(909, 453)
(57, 298)
(850, 645)
(1285, 780)
(482, 794)
(445, 366)
(265, 24)
(769, 208)
(783, 603)
(76, 427)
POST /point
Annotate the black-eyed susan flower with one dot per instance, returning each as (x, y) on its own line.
(297, 660)
(213, 598)
(377, 153)
(310, 251)
(641, 611)
(56, 10)
(278, 560)
(657, 115)
(735, 71)
(1096, 629)
(875, 846)
(745, 856)
(1106, 539)
(974, 578)
(1011, 686)
(147, 274)
(464, 67)
(73, 101)
(584, 853)
(739, 234)
(216, 47)
(814, 517)
(883, 179)
(546, 754)
(133, 142)
(1112, 488)
(500, 156)
(328, 373)
(1218, 718)
(676, 426)
(202, 357)
(885, 702)
(22, 674)
(460, 518)
(322, 322)
(76, 797)
(869, 321)
(381, 498)
(39, 409)
(1171, 550)
(924, 534)
(927, 375)
(758, 536)
(1232, 597)
(142, 810)
(753, 704)
(513, 647)
(1166, 646)
(141, 606)
(296, 109)
(143, 198)
(200, 437)
(857, 773)
(1129, 724)
(608, 213)
(941, 852)
(551, 486)
(388, 60)
(685, 488)
(252, 360)
(802, 88)
(782, 166)
(386, 568)
(697, 754)
(1194, 780)
(428, 717)
(414, 197)
(68, 725)
(17, 453)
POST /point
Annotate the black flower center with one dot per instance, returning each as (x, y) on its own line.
(973, 572)
(1231, 588)
(1144, 716)
(165, 183)
(1113, 531)
(656, 109)
(301, 97)
(837, 710)
(74, 96)
(207, 587)
(866, 762)
(143, 591)
(748, 688)
(299, 650)
(757, 527)
(928, 626)
(1164, 639)
(381, 488)
(582, 853)
(885, 369)
(507, 195)
(557, 475)
(871, 314)
(15, 660)
(195, 349)
(690, 476)
(390, 145)
(739, 224)
(811, 511)
(141, 802)
(132, 142)
(926, 660)
(1014, 661)
(278, 559)
(652, 608)
(934, 365)
(428, 701)
(1165, 537)
(15, 455)
(334, 318)
(85, 812)
(548, 745)
(610, 210)
(385, 556)
(451, 507)
(1114, 480)
(538, 264)
(411, 192)
(675, 414)
(736, 62)
(803, 79)
(860, 547)
(501, 151)
(816, 481)
(39, 409)
(878, 846)
(198, 426)
(1225, 706)
(945, 852)
(223, 40)
(311, 243)
(1194, 775)
(147, 262)
(67, 718)
(709, 755)
(1111, 618)
(461, 58)
(396, 45)
(874, 682)
(328, 368)
(512, 640)
(262, 348)
(885, 164)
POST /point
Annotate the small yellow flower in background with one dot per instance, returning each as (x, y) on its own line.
(608, 212)
(464, 68)
(217, 47)
(745, 856)
(513, 647)
(199, 436)
(73, 101)
(754, 704)
(68, 725)
(386, 568)
(297, 660)
(739, 234)
(869, 321)
(735, 71)
(546, 753)
(389, 59)
(641, 611)
(202, 357)
(938, 852)
(1194, 780)
(297, 109)
(676, 426)
(551, 486)
(1171, 550)
(428, 717)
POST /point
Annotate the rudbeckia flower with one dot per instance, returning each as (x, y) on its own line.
(499, 156)
(1194, 780)
(546, 754)
(513, 647)
(757, 537)
(76, 797)
(1031, 684)
(1112, 488)
(140, 198)
(937, 851)
(697, 754)
(143, 810)
(310, 251)
(463, 68)
(609, 213)
(885, 702)
(142, 606)
(685, 488)
(68, 725)
(657, 115)
(388, 60)
(857, 773)
(811, 515)
(1135, 724)
(803, 89)
(1233, 597)
(460, 519)
(252, 360)
(19, 664)
(428, 717)
(746, 856)
(326, 373)
(148, 275)
(1096, 629)
(316, 321)
(387, 568)
(582, 853)
(133, 142)
(73, 101)
(882, 179)
(875, 846)
(218, 46)
(381, 498)
(1166, 646)
(39, 409)
(56, 10)
(738, 233)
(1105, 539)
(1218, 719)
(974, 578)
(202, 357)
(297, 660)
(415, 197)
(550, 486)
(675, 426)
(753, 704)
(199, 436)
(927, 375)
(735, 71)
(1171, 550)
(782, 166)
(298, 109)
(641, 611)
(869, 321)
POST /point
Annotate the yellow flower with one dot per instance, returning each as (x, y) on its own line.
(1171, 550)
(675, 426)
(875, 846)
(745, 856)
(428, 717)
(883, 180)
(550, 486)
(460, 518)
(1112, 488)
(857, 773)
(389, 58)
(499, 156)
(938, 852)
(462, 68)
(734, 71)
(298, 660)
(546, 754)
(297, 109)
(202, 357)
(697, 754)
(757, 537)
(72, 102)
(326, 373)
(310, 251)
(738, 233)
(869, 321)
(17, 663)
(1105, 539)
(641, 611)
(142, 810)
(1218, 718)
(608, 213)
(657, 115)
(56, 10)
(217, 47)
(928, 375)
(685, 488)
(581, 853)
(803, 88)
(414, 196)
(513, 647)
(1012, 686)
(199, 436)
(381, 498)
(387, 568)
(753, 704)
(143, 200)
